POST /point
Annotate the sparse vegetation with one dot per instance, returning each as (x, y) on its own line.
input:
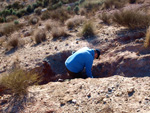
(38, 11)
(88, 30)
(8, 28)
(19, 80)
(132, 19)
(16, 22)
(45, 15)
(33, 20)
(13, 42)
(52, 24)
(11, 18)
(147, 38)
(59, 14)
(106, 18)
(114, 4)
(58, 32)
(39, 36)
(75, 21)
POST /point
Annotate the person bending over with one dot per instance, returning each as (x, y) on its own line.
(83, 58)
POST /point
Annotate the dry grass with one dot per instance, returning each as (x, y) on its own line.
(59, 15)
(13, 42)
(58, 32)
(34, 20)
(106, 18)
(132, 19)
(114, 4)
(11, 18)
(39, 36)
(147, 38)
(88, 30)
(45, 15)
(75, 21)
(8, 28)
(18, 81)
(50, 25)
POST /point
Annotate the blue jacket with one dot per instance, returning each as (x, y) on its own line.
(80, 59)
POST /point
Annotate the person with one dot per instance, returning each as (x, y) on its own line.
(83, 58)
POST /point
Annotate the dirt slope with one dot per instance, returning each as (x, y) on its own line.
(103, 95)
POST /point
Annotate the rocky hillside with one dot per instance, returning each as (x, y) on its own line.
(115, 94)
(121, 75)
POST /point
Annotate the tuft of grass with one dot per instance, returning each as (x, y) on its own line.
(75, 21)
(13, 42)
(45, 15)
(132, 19)
(147, 38)
(8, 28)
(113, 4)
(11, 18)
(58, 32)
(38, 10)
(52, 24)
(19, 80)
(33, 20)
(106, 18)
(59, 14)
(39, 36)
(88, 30)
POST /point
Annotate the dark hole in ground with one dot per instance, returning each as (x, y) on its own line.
(53, 68)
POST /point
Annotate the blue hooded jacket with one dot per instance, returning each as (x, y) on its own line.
(80, 59)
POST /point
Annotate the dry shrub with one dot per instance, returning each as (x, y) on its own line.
(59, 14)
(147, 38)
(88, 30)
(75, 21)
(39, 36)
(11, 18)
(58, 32)
(13, 42)
(33, 20)
(18, 81)
(8, 28)
(106, 18)
(50, 25)
(132, 19)
(45, 15)
(113, 4)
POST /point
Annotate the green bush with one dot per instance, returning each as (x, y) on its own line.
(2, 19)
(35, 5)
(69, 8)
(29, 9)
(38, 11)
(21, 13)
(16, 22)
(19, 80)
(76, 9)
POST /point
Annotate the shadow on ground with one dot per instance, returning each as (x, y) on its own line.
(16, 103)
